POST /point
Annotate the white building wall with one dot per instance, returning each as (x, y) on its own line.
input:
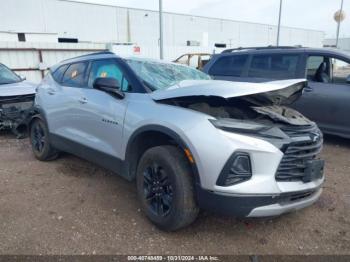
(343, 43)
(99, 23)
(8, 37)
(30, 37)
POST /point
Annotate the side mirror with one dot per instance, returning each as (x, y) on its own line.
(109, 85)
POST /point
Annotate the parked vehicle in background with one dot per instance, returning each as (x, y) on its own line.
(16, 101)
(189, 142)
(196, 60)
(326, 99)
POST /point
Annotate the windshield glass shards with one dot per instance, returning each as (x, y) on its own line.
(158, 75)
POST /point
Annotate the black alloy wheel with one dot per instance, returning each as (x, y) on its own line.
(165, 187)
(158, 190)
(38, 137)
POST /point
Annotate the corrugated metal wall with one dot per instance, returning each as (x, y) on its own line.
(26, 55)
(99, 23)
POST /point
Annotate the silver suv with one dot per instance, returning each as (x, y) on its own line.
(189, 142)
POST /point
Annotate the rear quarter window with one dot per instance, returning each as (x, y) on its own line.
(75, 75)
(58, 73)
(276, 66)
(229, 65)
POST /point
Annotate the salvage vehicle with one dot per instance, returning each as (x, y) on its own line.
(16, 101)
(196, 60)
(327, 95)
(189, 142)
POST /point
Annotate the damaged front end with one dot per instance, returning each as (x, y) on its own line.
(266, 116)
(15, 112)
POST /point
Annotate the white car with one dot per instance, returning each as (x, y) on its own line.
(16, 101)
(189, 142)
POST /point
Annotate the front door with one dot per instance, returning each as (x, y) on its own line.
(101, 114)
(327, 99)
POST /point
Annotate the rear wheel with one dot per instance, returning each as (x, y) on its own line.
(165, 188)
(39, 139)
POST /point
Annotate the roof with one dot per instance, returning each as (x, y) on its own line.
(90, 56)
(96, 55)
(285, 49)
(105, 55)
(259, 48)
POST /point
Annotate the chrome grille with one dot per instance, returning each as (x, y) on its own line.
(306, 144)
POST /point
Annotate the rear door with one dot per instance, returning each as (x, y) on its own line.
(327, 99)
(62, 100)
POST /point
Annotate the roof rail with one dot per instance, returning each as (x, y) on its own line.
(260, 48)
(105, 52)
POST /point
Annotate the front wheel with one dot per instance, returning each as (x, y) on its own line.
(165, 188)
(39, 139)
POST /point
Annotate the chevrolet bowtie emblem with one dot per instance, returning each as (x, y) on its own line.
(315, 137)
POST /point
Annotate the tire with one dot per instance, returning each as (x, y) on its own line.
(39, 139)
(170, 204)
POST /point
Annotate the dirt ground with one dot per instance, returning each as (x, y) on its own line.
(69, 206)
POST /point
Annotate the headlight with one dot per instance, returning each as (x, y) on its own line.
(237, 169)
(238, 125)
(270, 133)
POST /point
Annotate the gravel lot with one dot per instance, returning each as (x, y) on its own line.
(70, 206)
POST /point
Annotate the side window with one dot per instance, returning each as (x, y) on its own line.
(229, 65)
(318, 69)
(58, 74)
(108, 68)
(341, 71)
(194, 61)
(203, 60)
(75, 75)
(182, 60)
(313, 63)
(276, 66)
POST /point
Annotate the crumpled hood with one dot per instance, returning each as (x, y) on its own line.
(262, 94)
(17, 89)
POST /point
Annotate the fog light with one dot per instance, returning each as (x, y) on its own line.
(237, 170)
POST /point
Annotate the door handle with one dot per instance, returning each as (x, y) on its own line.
(308, 89)
(83, 100)
(51, 91)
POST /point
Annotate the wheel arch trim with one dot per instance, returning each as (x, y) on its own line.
(37, 113)
(166, 131)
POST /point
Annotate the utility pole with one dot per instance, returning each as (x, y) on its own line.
(161, 54)
(279, 24)
(339, 21)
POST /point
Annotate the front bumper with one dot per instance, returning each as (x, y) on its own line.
(239, 205)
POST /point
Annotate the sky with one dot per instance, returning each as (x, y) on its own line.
(311, 14)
